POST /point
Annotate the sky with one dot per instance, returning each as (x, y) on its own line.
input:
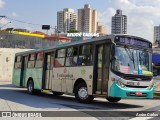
(142, 15)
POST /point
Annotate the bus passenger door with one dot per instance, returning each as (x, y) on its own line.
(48, 67)
(101, 70)
(23, 70)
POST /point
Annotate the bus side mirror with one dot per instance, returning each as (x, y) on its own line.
(155, 74)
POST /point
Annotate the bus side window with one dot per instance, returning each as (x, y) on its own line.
(39, 60)
(17, 62)
(60, 58)
(85, 55)
(71, 58)
(31, 61)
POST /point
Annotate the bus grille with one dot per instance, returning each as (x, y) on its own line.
(137, 78)
(130, 86)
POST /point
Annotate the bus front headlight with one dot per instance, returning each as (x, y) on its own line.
(118, 82)
(150, 87)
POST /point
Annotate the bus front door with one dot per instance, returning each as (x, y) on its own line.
(102, 61)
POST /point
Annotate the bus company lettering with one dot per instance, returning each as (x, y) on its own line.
(65, 70)
(64, 75)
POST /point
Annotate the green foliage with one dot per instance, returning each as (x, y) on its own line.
(73, 31)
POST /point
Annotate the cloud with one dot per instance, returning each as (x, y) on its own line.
(14, 14)
(2, 3)
(142, 16)
(105, 18)
(146, 2)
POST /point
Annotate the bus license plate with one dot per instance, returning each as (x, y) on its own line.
(138, 93)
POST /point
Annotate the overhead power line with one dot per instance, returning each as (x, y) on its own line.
(4, 25)
(23, 21)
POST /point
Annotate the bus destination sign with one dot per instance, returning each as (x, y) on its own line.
(132, 41)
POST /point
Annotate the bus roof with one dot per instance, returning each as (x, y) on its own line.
(110, 37)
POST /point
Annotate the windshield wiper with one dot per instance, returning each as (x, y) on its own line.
(131, 56)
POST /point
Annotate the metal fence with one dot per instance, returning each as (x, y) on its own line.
(9, 40)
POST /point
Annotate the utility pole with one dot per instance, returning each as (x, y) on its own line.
(55, 33)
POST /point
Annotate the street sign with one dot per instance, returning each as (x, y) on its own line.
(46, 27)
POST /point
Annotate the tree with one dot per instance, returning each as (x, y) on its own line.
(72, 31)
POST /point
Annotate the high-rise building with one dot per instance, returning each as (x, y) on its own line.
(60, 21)
(101, 29)
(119, 23)
(87, 19)
(156, 34)
(66, 20)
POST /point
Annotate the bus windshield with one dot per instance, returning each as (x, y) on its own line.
(132, 61)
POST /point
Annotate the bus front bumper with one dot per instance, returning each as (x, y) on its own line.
(117, 91)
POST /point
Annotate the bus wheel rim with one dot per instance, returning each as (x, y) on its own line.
(82, 93)
(30, 88)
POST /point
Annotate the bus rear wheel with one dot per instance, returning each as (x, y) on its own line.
(113, 99)
(81, 94)
(30, 87)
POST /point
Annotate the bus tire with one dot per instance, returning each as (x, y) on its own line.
(81, 93)
(57, 93)
(30, 87)
(113, 99)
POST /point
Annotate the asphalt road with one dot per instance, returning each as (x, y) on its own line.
(66, 107)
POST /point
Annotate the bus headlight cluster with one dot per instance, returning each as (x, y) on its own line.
(118, 82)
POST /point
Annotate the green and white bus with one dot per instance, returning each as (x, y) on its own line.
(112, 66)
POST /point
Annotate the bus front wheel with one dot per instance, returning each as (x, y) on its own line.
(81, 94)
(30, 87)
(113, 99)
